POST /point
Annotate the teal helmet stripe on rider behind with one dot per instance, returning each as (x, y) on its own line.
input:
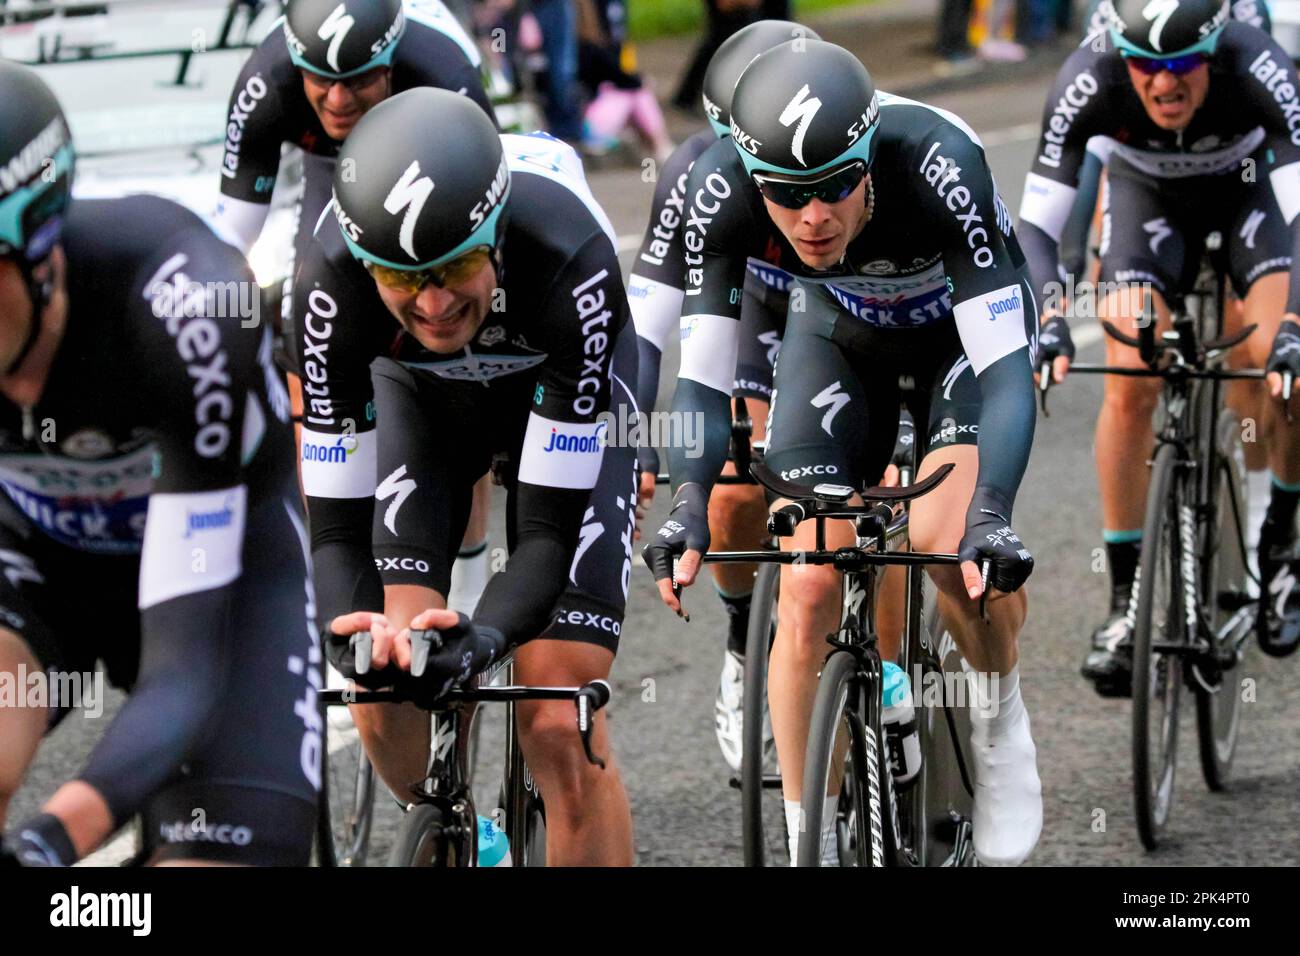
(804, 108)
(1166, 29)
(338, 39)
(422, 179)
(37, 164)
(731, 58)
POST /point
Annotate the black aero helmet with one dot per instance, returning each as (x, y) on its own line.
(805, 107)
(341, 38)
(421, 180)
(1163, 29)
(36, 165)
(734, 55)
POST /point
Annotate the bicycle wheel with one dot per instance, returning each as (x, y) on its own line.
(762, 811)
(346, 807)
(1229, 612)
(525, 822)
(422, 839)
(842, 749)
(1157, 675)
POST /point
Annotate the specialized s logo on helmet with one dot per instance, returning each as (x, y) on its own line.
(335, 29)
(410, 194)
(800, 109)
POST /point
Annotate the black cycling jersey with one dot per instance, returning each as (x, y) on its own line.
(160, 453)
(939, 248)
(655, 288)
(1248, 126)
(534, 382)
(268, 107)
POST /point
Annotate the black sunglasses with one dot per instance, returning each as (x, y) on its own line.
(795, 193)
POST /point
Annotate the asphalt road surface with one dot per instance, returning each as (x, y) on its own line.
(666, 674)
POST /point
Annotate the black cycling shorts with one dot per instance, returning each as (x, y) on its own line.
(840, 383)
(438, 437)
(1153, 230)
(762, 321)
(252, 784)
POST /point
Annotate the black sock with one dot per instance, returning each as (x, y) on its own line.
(737, 620)
(1281, 511)
(1122, 556)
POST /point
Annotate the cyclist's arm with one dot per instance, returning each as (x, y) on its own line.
(562, 449)
(200, 375)
(719, 235)
(994, 320)
(250, 161)
(1073, 114)
(335, 304)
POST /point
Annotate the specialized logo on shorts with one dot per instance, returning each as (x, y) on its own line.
(19, 568)
(409, 194)
(800, 110)
(588, 535)
(1253, 222)
(1159, 231)
(772, 339)
(399, 488)
(834, 398)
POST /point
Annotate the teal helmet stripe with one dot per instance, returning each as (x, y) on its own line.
(385, 58)
(484, 235)
(859, 150)
(1207, 45)
(13, 206)
(719, 128)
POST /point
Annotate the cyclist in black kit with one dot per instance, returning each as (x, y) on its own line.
(479, 275)
(906, 265)
(1206, 117)
(655, 290)
(150, 519)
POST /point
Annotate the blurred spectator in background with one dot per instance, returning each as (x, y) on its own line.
(558, 22)
(619, 97)
(954, 22)
(725, 18)
(998, 27)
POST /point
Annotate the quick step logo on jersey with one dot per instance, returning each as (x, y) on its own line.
(253, 92)
(941, 172)
(1278, 82)
(670, 218)
(1083, 88)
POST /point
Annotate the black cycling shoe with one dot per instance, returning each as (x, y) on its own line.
(1279, 609)
(1109, 665)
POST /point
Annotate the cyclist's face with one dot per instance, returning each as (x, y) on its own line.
(1171, 101)
(16, 318)
(820, 232)
(443, 320)
(340, 104)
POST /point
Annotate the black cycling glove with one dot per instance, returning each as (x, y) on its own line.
(989, 537)
(1285, 356)
(1053, 340)
(455, 654)
(41, 841)
(686, 528)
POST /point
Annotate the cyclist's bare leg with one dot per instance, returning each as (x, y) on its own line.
(84, 814)
(20, 727)
(1265, 305)
(937, 523)
(738, 517)
(1124, 436)
(396, 736)
(810, 610)
(588, 821)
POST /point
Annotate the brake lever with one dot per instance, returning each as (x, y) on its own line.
(363, 646)
(677, 591)
(423, 642)
(587, 701)
(984, 592)
(1044, 384)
